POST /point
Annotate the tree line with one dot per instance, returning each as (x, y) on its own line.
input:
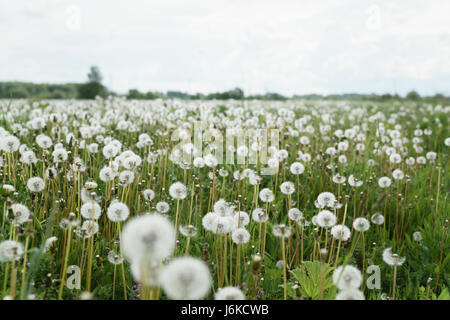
(93, 87)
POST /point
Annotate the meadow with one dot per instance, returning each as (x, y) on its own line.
(113, 199)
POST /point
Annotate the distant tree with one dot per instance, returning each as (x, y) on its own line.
(413, 95)
(153, 95)
(58, 94)
(177, 94)
(439, 96)
(94, 86)
(95, 75)
(198, 96)
(274, 96)
(19, 93)
(135, 94)
(38, 90)
(236, 93)
(90, 90)
(307, 96)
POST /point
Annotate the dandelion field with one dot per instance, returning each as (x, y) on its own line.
(100, 201)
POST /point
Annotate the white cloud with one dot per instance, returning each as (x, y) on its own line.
(285, 46)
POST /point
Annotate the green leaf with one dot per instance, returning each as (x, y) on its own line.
(313, 277)
(444, 295)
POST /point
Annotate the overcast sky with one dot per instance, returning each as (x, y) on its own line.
(323, 46)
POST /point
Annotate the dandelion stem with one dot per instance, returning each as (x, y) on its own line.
(283, 251)
(66, 261)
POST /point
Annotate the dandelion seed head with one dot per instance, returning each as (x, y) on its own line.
(241, 219)
(178, 191)
(188, 231)
(295, 214)
(21, 213)
(107, 174)
(281, 231)
(384, 182)
(114, 257)
(186, 278)
(259, 215)
(117, 211)
(148, 238)
(162, 207)
(91, 210)
(417, 236)
(340, 232)
(49, 243)
(287, 188)
(266, 195)
(240, 236)
(350, 294)
(10, 250)
(326, 219)
(326, 199)
(297, 168)
(229, 293)
(377, 218)
(35, 184)
(398, 174)
(88, 229)
(361, 224)
(347, 277)
(391, 258)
